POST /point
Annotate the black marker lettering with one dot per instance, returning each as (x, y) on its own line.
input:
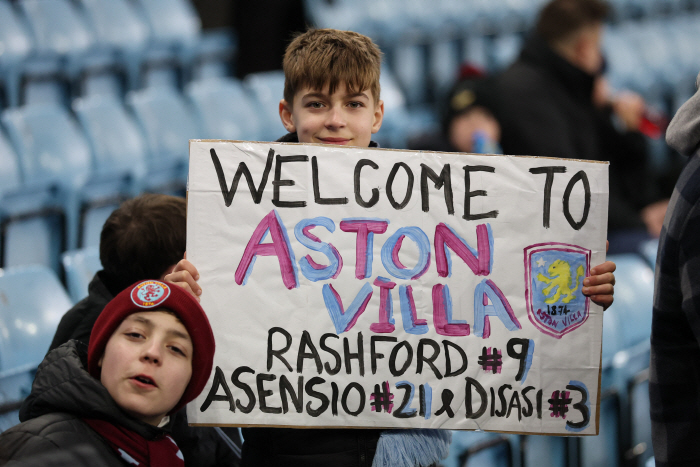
(317, 190)
(248, 391)
(260, 379)
(550, 171)
(390, 183)
(468, 194)
(580, 175)
(375, 192)
(242, 170)
(296, 396)
(277, 183)
(374, 355)
(219, 381)
(444, 179)
(278, 353)
(420, 358)
(305, 343)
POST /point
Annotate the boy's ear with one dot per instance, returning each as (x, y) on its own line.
(286, 116)
(378, 117)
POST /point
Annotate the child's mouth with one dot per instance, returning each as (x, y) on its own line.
(145, 380)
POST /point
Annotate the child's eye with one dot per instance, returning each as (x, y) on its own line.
(177, 350)
(314, 105)
(355, 104)
(134, 334)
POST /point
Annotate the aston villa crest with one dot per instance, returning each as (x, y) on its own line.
(554, 274)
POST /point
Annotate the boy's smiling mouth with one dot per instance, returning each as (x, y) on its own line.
(334, 140)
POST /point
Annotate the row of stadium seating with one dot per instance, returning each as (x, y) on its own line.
(32, 301)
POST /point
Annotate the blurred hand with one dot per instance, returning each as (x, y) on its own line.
(653, 217)
(629, 108)
(186, 276)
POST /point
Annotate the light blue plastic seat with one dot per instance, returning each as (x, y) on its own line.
(32, 302)
(168, 123)
(118, 147)
(268, 90)
(225, 109)
(16, 44)
(80, 266)
(55, 164)
(120, 25)
(59, 28)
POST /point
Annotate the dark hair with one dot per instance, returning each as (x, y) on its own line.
(143, 237)
(559, 19)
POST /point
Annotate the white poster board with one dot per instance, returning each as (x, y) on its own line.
(352, 287)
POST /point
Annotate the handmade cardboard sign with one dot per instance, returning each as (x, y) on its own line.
(359, 287)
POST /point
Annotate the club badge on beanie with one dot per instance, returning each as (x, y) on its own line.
(154, 295)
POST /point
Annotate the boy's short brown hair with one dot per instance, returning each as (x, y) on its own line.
(329, 56)
(560, 19)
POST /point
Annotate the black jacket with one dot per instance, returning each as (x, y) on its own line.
(62, 393)
(546, 110)
(201, 446)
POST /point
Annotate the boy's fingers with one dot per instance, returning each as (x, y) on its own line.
(185, 280)
(599, 290)
(607, 278)
(607, 266)
(603, 300)
(185, 265)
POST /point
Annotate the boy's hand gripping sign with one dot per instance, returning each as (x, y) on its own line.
(355, 287)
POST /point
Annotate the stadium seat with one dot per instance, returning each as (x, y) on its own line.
(55, 164)
(119, 25)
(224, 109)
(267, 89)
(168, 122)
(59, 28)
(32, 302)
(80, 266)
(16, 44)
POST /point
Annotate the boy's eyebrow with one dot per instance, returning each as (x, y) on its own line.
(323, 95)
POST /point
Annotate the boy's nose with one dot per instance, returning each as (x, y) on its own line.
(152, 353)
(335, 118)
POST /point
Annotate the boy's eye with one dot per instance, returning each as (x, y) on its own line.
(355, 104)
(134, 334)
(177, 350)
(315, 105)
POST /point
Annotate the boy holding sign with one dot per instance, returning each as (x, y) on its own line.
(331, 96)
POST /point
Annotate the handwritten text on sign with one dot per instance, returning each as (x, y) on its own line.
(376, 288)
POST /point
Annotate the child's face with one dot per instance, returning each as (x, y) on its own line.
(147, 364)
(339, 118)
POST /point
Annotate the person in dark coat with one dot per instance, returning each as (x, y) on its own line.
(151, 227)
(547, 109)
(674, 378)
(151, 352)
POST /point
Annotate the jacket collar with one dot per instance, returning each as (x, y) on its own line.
(62, 384)
(577, 82)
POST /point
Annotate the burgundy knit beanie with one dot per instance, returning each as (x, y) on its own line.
(152, 295)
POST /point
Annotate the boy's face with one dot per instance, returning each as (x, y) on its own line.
(147, 364)
(339, 118)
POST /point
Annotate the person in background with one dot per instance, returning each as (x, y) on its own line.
(143, 238)
(468, 123)
(150, 353)
(553, 102)
(674, 379)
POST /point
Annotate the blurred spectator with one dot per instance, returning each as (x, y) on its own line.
(468, 123)
(674, 379)
(554, 103)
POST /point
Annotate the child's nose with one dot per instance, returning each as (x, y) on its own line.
(152, 353)
(335, 119)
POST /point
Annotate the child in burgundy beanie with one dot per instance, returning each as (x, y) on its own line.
(151, 352)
